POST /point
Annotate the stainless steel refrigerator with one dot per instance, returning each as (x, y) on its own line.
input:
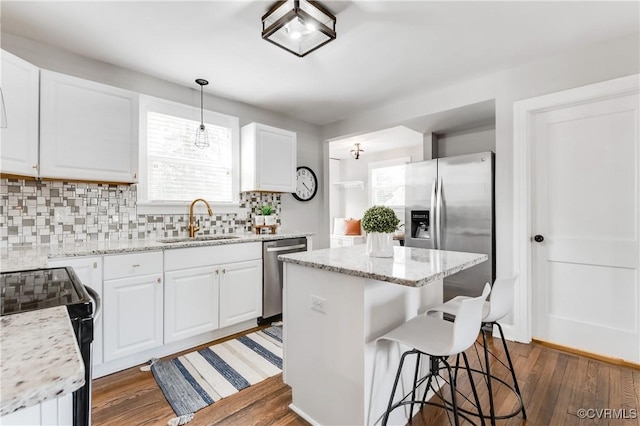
(450, 206)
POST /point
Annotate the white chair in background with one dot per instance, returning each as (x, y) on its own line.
(437, 339)
(495, 309)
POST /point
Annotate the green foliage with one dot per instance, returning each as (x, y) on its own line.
(266, 210)
(380, 219)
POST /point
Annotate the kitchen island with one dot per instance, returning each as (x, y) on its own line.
(337, 302)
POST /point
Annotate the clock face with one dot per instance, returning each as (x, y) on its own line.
(306, 184)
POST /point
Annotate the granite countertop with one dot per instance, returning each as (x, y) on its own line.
(414, 267)
(40, 358)
(33, 257)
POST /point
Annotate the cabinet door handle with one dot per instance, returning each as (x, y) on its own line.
(159, 280)
(224, 271)
(217, 271)
(95, 265)
(137, 265)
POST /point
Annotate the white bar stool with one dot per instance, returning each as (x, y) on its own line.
(495, 309)
(438, 339)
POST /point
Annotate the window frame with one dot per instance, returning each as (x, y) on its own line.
(162, 106)
(401, 161)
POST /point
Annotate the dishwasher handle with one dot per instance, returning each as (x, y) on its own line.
(297, 246)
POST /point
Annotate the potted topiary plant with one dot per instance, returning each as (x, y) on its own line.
(380, 222)
(267, 211)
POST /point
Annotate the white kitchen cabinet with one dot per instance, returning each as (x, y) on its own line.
(54, 412)
(88, 130)
(133, 304)
(268, 159)
(240, 292)
(336, 241)
(89, 270)
(211, 287)
(19, 140)
(191, 302)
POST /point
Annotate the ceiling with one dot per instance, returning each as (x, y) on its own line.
(395, 137)
(384, 49)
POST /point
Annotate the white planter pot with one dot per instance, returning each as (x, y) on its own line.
(270, 220)
(379, 244)
(258, 219)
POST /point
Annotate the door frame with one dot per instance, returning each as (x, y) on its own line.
(523, 114)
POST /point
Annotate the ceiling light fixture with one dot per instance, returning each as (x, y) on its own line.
(3, 111)
(202, 138)
(299, 26)
(355, 152)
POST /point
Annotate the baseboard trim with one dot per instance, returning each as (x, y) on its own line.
(302, 414)
(599, 357)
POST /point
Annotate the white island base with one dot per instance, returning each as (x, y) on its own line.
(330, 359)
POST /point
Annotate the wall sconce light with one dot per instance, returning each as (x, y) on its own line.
(299, 26)
(355, 152)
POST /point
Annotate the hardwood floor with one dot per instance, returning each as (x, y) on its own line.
(555, 385)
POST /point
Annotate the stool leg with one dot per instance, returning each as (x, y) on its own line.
(385, 419)
(473, 387)
(415, 381)
(513, 371)
(488, 367)
(453, 393)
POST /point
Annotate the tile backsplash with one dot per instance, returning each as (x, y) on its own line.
(39, 212)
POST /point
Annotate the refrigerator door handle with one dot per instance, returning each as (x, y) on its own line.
(432, 228)
(438, 224)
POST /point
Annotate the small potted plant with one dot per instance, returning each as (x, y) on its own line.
(380, 223)
(267, 211)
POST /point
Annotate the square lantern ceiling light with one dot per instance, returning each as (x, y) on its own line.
(299, 26)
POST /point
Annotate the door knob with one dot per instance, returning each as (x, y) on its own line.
(538, 238)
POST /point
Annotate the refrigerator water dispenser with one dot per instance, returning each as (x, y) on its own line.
(420, 224)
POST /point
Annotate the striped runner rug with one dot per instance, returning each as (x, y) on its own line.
(198, 379)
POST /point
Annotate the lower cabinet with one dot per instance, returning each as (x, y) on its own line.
(191, 302)
(240, 292)
(133, 309)
(54, 412)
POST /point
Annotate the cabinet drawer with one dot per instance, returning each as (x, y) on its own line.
(195, 257)
(132, 265)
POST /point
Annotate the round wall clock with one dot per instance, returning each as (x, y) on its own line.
(306, 184)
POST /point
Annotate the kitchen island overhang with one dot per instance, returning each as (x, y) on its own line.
(337, 302)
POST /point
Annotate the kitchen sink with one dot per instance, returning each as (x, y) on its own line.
(197, 238)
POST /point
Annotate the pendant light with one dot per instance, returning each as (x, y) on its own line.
(202, 138)
(356, 151)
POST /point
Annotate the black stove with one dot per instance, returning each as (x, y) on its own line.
(30, 290)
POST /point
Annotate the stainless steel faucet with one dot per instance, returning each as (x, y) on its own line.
(193, 227)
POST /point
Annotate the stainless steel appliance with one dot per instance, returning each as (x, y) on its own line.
(272, 275)
(450, 206)
(29, 290)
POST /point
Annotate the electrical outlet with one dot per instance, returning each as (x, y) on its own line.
(318, 304)
(60, 214)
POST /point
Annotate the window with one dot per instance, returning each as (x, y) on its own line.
(172, 169)
(387, 184)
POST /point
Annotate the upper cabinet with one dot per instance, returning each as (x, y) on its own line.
(268, 159)
(19, 140)
(88, 130)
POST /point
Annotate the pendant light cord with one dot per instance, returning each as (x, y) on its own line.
(201, 105)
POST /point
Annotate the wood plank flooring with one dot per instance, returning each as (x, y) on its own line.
(555, 385)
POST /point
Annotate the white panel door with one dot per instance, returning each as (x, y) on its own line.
(585, 206)
(87, 130)
(240, 292)
(19, 140)
(132, 315)
(190, 302)
(89, 270)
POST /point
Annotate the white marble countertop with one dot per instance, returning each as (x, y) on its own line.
(34, 257)
(409, 266)
(40, 359)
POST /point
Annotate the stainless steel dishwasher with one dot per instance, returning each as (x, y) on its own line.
(272, 275)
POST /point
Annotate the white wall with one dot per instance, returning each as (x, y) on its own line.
(467, 142)
(599, 62)
(296, 215)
